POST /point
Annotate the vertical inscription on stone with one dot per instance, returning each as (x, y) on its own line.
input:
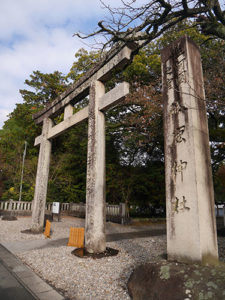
(186, 154)
(176, 75)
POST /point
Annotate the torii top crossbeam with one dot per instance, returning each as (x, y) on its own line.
(116, 59)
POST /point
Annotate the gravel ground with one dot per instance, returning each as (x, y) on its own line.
(11, 230)
(87, 278)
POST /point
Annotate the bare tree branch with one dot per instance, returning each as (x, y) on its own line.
(154, 17)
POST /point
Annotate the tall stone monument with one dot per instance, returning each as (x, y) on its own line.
(191, 226)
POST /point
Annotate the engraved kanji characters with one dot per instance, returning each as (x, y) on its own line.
(176, 73)
(175, 108)
(179, 74)
(169, 77)
(178, 134)
(179, 168)
(179, 68)
(180, 206)
(169, 83)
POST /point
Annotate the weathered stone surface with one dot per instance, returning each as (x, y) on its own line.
(68, 122)
(155, 282)
(106, 101)
(68, 111)
(95, 240)
(37, 140)
(114, 96)
(175, 281)
(191, 228)
(102, 71)
(38, 208)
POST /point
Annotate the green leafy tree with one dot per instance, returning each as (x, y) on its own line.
(137, 123)
(84, 61)
(45, 88)
(134, 129)
(19, 128)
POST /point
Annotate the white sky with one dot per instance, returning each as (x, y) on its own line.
(37, 35)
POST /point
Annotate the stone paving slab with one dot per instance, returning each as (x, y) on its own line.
(19, 282)
(10, 287)
(20, 246)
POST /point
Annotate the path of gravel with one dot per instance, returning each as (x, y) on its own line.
(80, 278)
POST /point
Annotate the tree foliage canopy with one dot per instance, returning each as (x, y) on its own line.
(134, 129)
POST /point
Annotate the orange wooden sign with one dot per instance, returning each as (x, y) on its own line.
(47, 229)
(76, 238)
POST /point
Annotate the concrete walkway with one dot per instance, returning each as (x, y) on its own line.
(19, 282)
(11, 288)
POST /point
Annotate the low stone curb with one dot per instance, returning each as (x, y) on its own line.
(38, 288)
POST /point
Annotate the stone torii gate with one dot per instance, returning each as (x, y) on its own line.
(99, 101)
(191, 230)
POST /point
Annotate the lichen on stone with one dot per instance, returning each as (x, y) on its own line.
(212, 284)
(213, 272)
(189, 283)
(202, 296)
(197, 273)
(209, 295)
(164, 272)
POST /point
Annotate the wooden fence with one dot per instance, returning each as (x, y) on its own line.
(114, 213)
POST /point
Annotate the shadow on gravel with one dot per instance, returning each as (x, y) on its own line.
(110, 237)
(134, 235)
(54, 243)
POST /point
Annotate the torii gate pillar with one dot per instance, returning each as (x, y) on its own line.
(38, 209)
(95, 190)
(95, 240)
